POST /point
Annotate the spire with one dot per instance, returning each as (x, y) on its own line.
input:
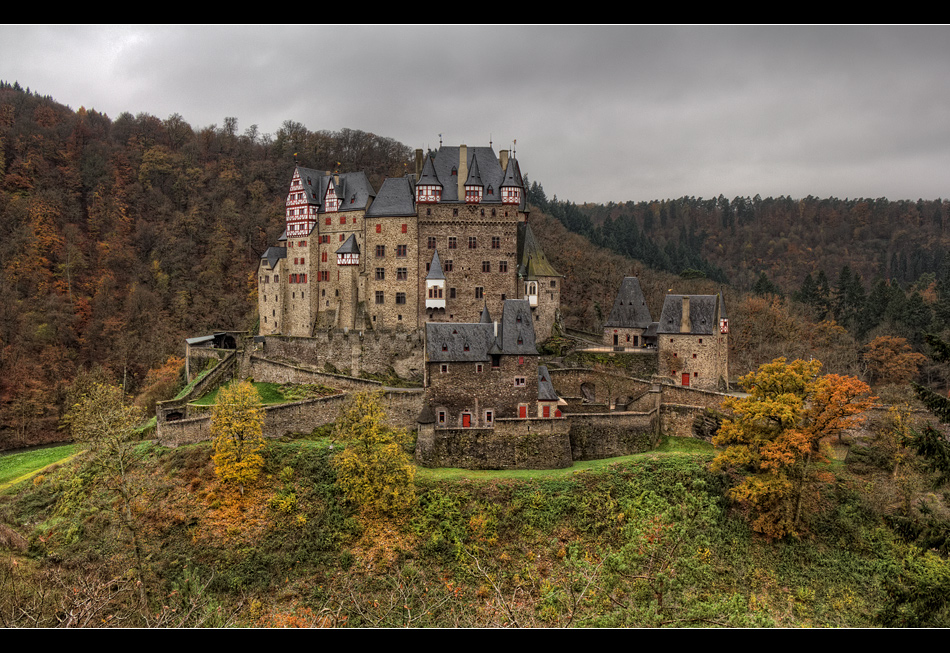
(486, 316)
(435, 268)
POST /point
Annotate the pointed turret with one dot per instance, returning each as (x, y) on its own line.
(428, 188)
(474, 187)
(435, 284)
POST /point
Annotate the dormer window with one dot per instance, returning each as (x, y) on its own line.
(455, 171)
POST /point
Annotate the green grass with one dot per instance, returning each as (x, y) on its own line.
(184, 391)
(15, 467)
(269, 393)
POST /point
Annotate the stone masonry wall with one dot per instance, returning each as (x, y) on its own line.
(402, 408)
(512, 444)
(372, 352)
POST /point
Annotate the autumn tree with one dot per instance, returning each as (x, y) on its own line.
(374, 471)
(891, 360)
(772, 438)
(237, 427)
(103, 421)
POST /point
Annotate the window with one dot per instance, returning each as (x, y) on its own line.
(405, 228)
(472, 242)
(328, 222)
(545, 411)
(455, 213)
(325, 275)
(341, 237)
(303, 243)
(444, 369)
(302, 260)
(342, 219)
(453, 242)
(380, 274)
(402, 274)
(323, 257)
(379, 297)
(304, 281)
(502, 266)
(325, 239)
(380, 251)
(479, 292)
(451, 293)
(401, 251)
(379, 228)
(486, 266)
(400, 298)
(431, 242)
(448, 266)
(441, 417)
(554, 285)
(519, 382)
(478, 367)
(495, 242)
(489, 416)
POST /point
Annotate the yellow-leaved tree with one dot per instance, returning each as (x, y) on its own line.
(237, 427)
(374, 471)
(772, 438)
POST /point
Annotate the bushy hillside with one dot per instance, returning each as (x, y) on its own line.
(647, 541)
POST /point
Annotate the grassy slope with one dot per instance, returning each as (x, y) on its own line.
(480, 549)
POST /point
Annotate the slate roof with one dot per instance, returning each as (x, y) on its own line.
(273, 254)
(428, 176)
(396, 197)
(350, 246)
(630, 309)
(545, 387)
(435, 269)
(474, 178)
(703, 315)
(447, 157)
(354, 189)
(532, 263)
(451, 342)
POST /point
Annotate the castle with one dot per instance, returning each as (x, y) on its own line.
(434, 247)
(438, 275)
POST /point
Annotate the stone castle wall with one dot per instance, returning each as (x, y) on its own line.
(372, 352)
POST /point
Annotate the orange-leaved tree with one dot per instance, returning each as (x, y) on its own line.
(891, 360)
(772, 438)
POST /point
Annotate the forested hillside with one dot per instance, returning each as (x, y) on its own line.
(119, 237)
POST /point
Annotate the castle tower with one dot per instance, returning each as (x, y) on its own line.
(348, 269)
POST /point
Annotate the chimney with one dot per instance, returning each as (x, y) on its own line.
(685, 325)
(336, 179)
(419, 163)
(503, 159)
(463, 170)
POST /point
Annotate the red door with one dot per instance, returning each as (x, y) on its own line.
(522, 412)
(466, 420)
(686, 379)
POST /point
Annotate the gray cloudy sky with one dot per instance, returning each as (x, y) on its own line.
(599, 113)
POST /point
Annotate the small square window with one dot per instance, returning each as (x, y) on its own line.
(401, 251)
(448, 266)
(402, 274)
(502, 266)
(453, 242)
(472, 242)
(400, 298)
(519, 382)
(479, 292)
(380, 274)
(380, 251)
(495, 242)
(486, 266)
(380, 297)
(478, 367)
(444, 369)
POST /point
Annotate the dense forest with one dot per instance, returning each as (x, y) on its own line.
(123, 236)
